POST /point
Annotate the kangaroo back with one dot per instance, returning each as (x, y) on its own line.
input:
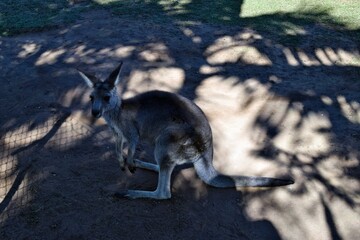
(155, 111)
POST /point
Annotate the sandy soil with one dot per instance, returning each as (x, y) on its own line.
(275, 110)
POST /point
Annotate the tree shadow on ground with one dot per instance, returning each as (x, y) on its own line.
(297, 74)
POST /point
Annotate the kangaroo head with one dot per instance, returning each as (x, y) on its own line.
(104, 96)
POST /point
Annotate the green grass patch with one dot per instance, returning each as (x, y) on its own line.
(34, 15)
(346, 13)
(221, 11)
(285, 18)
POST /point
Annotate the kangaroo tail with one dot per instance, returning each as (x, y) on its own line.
(206, 171)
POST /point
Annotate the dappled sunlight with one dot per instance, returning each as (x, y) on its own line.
(259, 132)
(306, 143)
(290, 57)
(166, 79)
(25, 134)
(175, 7)
(231, 125)
(307, 59)
(289, 130)
(69, 135)
(309, 220)
(74, 96)
(243, 54)
(326, 100)
(50, 57)
(155, 53)
(324, 59)
(207, 70)
(209, 95)
(281, 103)
(331, 54)
(121, 51)
(321, 57)
(306, 221)
(228, 49)
(348, 58)
(190, 34)
(350, 110)
(313, 135)
(83, 54)
(28, 49)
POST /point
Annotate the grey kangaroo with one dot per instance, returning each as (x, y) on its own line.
(176, 128)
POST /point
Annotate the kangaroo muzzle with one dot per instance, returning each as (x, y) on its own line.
(96, 113)
(96, 109)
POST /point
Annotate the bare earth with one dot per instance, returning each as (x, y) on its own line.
(275, 111)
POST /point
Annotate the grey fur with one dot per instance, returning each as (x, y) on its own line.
(176, 128)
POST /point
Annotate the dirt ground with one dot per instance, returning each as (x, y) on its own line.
(275, 110)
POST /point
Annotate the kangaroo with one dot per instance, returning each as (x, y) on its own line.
(177, 129)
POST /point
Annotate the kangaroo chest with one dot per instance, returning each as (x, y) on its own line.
(114, 124)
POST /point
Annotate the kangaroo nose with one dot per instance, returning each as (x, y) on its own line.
(96, 113)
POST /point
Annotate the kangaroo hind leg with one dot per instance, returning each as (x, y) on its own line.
(146, 165)
(162, 191)
(166, 163)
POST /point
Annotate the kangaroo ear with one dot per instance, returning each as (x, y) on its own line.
(88, 78)
(114, 77)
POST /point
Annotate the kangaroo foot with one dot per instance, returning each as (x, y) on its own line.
(131, 168)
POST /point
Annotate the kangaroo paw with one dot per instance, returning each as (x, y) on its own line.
(120, 194)
(122, 162)
(132, 168)
(133, 194)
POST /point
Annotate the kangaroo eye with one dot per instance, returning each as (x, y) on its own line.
(91, 98)
(106, 98)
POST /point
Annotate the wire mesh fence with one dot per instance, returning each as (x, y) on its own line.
(19, 150)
